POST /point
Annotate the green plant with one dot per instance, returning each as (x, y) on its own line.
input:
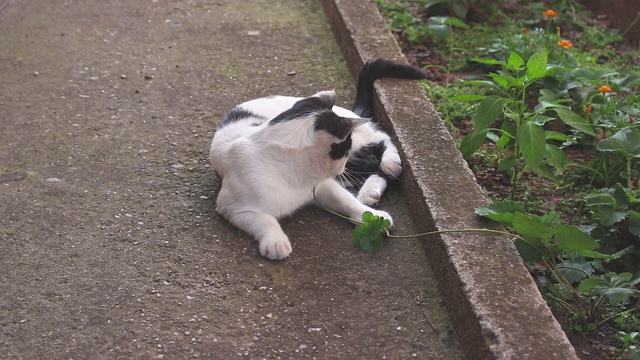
(522, 130)
(415, 28)
(593, 82)
(459, 8)
(629, 344)
(368, 236)
(616, 206)
(569, 256)
(627, 321)
(401, 19)
(625, 142)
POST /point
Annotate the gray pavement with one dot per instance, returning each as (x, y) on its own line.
(109, 243)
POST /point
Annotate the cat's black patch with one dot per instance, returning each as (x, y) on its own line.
(341, 149)
(366, 161)
(302, 108)
(333, 124)
(237, 114)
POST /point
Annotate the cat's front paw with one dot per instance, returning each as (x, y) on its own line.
(383, 214)
(372, 190)
(275, 247)
(369, 197)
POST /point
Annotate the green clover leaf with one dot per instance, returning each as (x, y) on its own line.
(368, 236)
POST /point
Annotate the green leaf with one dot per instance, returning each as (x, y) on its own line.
(507, 163)
(493, 137)
(532, 144)
(460, 9)
(472, 142)
(508, 134)
(526, 225)
(490, 62)
(633, 222)
(556, 157)
(468, 97)
(570, 238)
(456, 22)
(600, 199)
(515, 61)
(626, 140)
(532, 250)
(479, 82)
(554, 135)
(545, 171)
(594, 254)
(574, 120)
(368, 236)
(588, 285)
(548, 95)
(537, 65)
(551, 220)
(502, 80)
(621, 196)
(617, 288)
(440, 31)
(609, 216)
(489, 110)
(539, 119)
(575, 271)
(617, 296)
(500, 211)
(430, 3)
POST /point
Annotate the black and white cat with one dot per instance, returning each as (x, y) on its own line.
(271, 153)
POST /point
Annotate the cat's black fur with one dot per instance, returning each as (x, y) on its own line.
(366, 160)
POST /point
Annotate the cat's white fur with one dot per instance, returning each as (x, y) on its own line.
(270, 170)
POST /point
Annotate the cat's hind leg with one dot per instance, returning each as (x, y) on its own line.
(331, 195)
(274, 243)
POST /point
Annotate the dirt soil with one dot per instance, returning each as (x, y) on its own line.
(109, 243)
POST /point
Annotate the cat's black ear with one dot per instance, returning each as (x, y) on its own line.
(327, 98)
(337, 126)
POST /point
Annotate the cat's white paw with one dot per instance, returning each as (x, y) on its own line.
(383, 214)
(372, 190)
(390, 164)
(369, 197)
(275, 247)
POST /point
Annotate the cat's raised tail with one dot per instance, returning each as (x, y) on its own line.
(380, 68)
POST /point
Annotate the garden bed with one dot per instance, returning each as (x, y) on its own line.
(568, 81)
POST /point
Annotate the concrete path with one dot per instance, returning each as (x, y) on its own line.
(109, 243)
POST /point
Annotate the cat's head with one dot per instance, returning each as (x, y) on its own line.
(312, 128)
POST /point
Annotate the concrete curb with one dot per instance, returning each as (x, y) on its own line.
(494, 303)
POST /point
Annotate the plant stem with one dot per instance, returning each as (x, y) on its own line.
(629, 181)
(615, 315)
(480, 230)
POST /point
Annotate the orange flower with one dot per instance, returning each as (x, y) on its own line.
(604, 89)
(588, 109)
(550, 13)
(525, 30)
(565, 44)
